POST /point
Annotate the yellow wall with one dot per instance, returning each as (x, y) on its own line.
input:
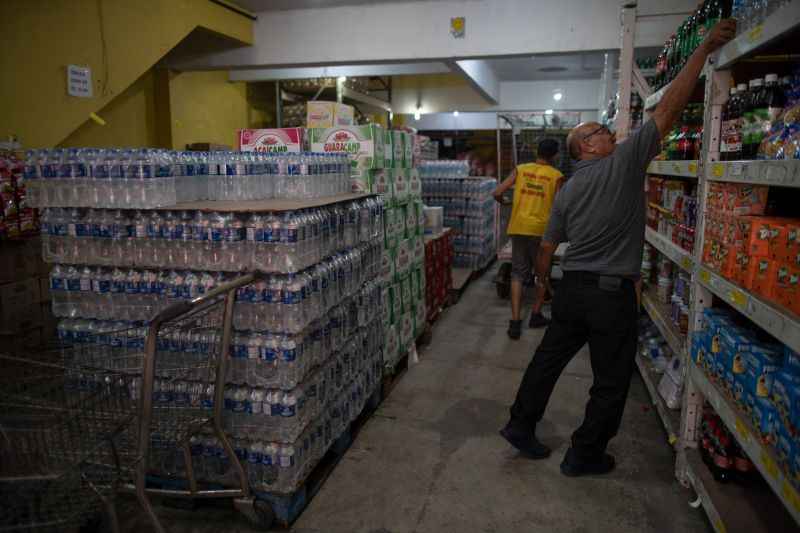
(130, 119)
(41, 37)
(206, 107)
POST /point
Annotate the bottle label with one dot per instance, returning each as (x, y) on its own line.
(101, 285)
(57, 284)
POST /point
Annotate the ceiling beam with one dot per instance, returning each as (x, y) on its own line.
(386, 69)
(482, 78)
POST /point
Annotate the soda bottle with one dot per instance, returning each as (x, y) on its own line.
(755, 113)
(775, 96)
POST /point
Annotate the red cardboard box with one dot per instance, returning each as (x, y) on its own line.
(787, 289)
(764, 277)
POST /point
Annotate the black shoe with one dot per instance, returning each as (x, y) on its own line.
(573, 468)
(515, 329)
(538, 320)
(525, 441)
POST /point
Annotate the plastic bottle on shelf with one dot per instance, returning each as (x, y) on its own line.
(755, 114)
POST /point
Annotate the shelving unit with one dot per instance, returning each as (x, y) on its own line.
(674, 252)
(777, 25)
(762, 456)
(670, 418)
(660, 315)
(730, 507)
(779, 323)
(683, 169)
(784, 173)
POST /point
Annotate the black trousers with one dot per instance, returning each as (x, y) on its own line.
(604, 317)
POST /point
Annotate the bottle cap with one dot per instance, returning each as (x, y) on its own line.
(771, 78)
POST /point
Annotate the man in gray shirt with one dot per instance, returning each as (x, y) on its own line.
(601, 212)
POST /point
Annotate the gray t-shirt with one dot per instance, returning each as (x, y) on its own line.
(601, 209)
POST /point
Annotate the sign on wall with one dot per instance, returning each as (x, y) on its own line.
(79, 81)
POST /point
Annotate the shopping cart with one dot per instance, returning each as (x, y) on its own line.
(109, 406)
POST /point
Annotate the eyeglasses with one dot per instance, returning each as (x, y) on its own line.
(601, 129)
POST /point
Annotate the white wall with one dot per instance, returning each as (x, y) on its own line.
(421, 31)
(579, 95)
(469, 121)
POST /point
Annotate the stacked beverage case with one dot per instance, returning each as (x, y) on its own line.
(307, 346)
(469, 209)
(338, 302)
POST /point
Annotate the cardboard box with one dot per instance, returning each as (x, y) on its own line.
(271, 141)
(408, 150)
(745, 199)
(787, 285)
(398, 149)
(764, 278)
(401, 186)
(321, 114)
(20, 306)
(388, 150)
(361, 180)
(364, 144)
(383, 184)
(414, 185)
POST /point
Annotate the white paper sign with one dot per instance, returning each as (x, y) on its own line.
(79, 81)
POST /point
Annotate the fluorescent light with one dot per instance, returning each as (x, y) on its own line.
(342, 79)
(417, 114)
(558, 95)
(391, 116)
(455, 113)
(548, 112)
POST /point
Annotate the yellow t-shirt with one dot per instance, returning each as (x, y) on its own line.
(534, 191)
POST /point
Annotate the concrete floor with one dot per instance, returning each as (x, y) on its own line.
(430, 460)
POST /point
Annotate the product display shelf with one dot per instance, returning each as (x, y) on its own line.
(784, 173)
(778, 24)
(670, 418)
(781, 324)
(674, 252)
(762, 456)
(248, 206)
(731, 507)
(659, 313)
(683, 169)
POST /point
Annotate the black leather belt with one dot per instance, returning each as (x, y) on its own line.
(592, 279)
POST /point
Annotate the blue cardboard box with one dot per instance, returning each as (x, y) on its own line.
(732, 343)
(765, 419)
(786, 399)
(760, 364)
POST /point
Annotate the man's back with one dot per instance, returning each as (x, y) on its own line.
(534, 192)
(601, 211)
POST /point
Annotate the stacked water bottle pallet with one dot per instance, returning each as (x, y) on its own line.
(307, 350)
(149, 178)
(468, 208)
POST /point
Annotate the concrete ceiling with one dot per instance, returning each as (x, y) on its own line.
(257, 6)
(582, 66)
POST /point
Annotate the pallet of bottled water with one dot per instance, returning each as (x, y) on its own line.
(281, 242)
(280, 461)
(443, 168)
(148, 178)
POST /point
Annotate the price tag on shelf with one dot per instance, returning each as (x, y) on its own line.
(755, 34)
(693, 167)
(790, 496)
(676, 168)
(718, 170)
(769, 465)
(736, 169)
(719, 527)
(737, 297)
(705, 276)
(742, 430)
(686, 262)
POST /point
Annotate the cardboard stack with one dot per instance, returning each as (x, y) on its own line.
(759, 253)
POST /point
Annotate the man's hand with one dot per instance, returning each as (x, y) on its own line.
(721, 34)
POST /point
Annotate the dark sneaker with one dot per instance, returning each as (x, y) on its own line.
(515, 329)
(526, 442)
(573, 468)
(538, 320)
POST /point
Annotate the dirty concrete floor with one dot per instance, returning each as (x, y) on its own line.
(430, 459)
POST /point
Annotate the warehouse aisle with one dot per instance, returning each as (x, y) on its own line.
(431, 461)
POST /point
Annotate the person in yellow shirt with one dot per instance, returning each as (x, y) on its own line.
(535, 187)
